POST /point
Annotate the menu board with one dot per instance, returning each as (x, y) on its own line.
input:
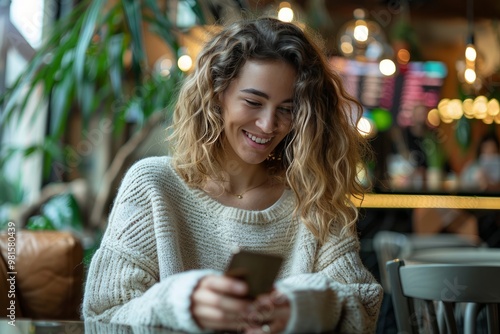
(414, 84)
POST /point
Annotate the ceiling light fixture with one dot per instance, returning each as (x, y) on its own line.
(470, 49)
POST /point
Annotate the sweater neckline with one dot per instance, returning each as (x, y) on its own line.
(278, 210)
(281, 208)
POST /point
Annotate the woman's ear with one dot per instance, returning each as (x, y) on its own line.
(291, 128)
(220, 99)
(221, 96)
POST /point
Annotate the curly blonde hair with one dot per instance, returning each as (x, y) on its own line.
(318, 159)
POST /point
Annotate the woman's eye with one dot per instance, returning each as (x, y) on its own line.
(287, 110)
(252, 103)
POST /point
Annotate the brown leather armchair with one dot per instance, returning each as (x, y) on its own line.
(49, 279)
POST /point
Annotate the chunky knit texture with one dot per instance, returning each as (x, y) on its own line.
(164, 236)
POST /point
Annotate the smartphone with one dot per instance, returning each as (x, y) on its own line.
(258, 270)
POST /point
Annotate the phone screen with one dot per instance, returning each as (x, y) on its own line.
(259, 270)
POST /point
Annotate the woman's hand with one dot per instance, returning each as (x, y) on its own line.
(270, 314)
(219, 303)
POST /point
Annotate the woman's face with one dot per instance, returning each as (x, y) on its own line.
(257, 110)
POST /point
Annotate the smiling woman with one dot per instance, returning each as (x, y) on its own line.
(265, 156)
(257, 114)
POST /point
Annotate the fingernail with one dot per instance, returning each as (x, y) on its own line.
(239, 288)
(251, 308)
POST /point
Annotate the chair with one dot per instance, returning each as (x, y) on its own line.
(49, 279)
(446, 285)
(389, 245)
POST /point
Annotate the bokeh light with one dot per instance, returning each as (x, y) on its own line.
(365, 127)
(387, 67)
(163, 66)
(285, 12)
(403, 56)
(493, 107)
(363, 39)
(479, 108)
(470, 53)
(470, 75)
(361, 31)
(185, 63)
(433, 117)
(382, 119)
(455, 110)
(467, 107)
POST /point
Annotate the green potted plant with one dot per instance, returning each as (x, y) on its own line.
(94, 64)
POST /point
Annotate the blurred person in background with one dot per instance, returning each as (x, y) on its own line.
(483, 173)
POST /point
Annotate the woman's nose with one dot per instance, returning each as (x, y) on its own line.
(267, 121)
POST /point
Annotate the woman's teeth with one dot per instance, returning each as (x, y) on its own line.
(258, 140)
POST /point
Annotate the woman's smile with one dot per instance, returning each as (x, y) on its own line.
(257, 139)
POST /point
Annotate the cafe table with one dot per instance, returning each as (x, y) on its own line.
(456, 255)
(29, 326)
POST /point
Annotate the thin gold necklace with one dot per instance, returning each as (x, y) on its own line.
(240, 195)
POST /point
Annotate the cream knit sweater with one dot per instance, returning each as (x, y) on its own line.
(164, 236)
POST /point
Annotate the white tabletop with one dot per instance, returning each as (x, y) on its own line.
(461, 255)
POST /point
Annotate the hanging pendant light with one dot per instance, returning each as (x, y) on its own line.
(362, 39)
(470, 75)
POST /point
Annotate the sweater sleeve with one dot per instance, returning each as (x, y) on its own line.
(121, 291)
(340, 295)
(124, 283)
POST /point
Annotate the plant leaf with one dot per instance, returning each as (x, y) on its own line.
(133, 13)
(52, 147)
(16, 93)
(13, 95)
(30, 150)
(89, 25)
(60, 103)
(63, 212)
(39, 222)
(87, 91)
(115, 52)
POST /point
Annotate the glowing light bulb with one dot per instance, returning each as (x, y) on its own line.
(359, 13)
(443, 103)
(497, 119)
(285, 14)
(493, 107)
(365, 127)
(455, 110)
(433, 117)
(347, 48)
(163, 66)
(185, 62)
(361, 31)
(480, 107)
(467, 107)
(470, 75)
(387, 67)
(403, 56)
(488, 119)
(470, 53)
